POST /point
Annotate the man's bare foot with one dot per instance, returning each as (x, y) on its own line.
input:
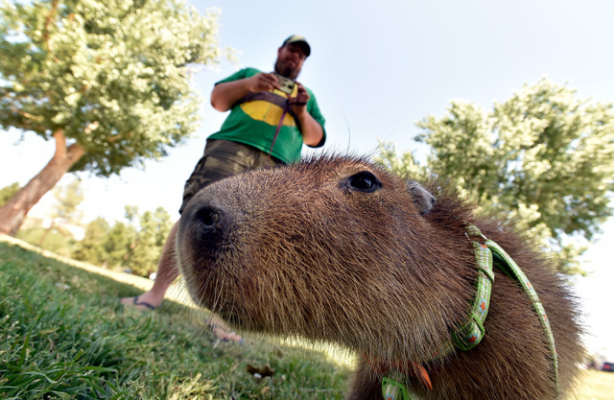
(149, 301)
(221, 331)
(146, 301)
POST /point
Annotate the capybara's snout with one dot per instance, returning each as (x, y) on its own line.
(207, 224)
(213, 240)
(217, 217)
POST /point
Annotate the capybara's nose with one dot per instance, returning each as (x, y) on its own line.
(208, 224)
(208, 217)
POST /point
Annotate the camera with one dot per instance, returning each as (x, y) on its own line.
(286, 85)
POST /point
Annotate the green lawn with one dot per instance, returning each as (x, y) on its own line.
(63, 335)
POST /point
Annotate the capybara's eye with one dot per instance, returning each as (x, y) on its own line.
(364, 181)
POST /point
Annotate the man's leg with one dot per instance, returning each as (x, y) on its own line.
(166, 274)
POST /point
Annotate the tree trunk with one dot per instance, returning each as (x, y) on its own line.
(14, 212)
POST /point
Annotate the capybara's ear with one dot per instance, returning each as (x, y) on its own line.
(422, 198)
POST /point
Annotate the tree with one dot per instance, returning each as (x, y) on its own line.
(92, 247)
(543, 158)
(8, 191)
(119, 244)
(147, 247)
(58, 243)
(136, 244)
(108, 81)
(65, 212)
(56, 235)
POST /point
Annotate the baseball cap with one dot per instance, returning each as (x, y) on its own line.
(299, 41)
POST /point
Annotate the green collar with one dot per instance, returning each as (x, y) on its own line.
(471, 333)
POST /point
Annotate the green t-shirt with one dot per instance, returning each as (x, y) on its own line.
(254, 123)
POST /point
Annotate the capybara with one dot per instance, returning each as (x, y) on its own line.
(336, 249)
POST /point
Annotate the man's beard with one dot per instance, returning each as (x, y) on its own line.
(286, 70)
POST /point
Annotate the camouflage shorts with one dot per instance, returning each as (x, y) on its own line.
(223, 158)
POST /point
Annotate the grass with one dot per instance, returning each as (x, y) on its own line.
(596, 385)
(63, 335)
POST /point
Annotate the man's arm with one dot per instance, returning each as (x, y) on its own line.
(226, 94)
(310, 128)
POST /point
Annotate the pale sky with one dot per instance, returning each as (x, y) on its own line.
(376, 68)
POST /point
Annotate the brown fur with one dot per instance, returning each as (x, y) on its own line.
(300, 250)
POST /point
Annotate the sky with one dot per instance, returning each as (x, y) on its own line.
(376, 69)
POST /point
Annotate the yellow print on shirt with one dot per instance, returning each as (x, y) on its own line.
(270, 113)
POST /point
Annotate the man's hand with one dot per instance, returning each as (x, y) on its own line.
(311, 130)
(263, 82)
(299, 102)
(224, 95)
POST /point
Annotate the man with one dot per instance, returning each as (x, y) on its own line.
(270, 119)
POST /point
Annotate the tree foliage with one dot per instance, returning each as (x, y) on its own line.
(135, 244)
(8, 191)
(92, 247)
(35, 233)
(107, 80)
(543, 158)
(145, 251)
(54, 231)
(65, 214)
(119, 244)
